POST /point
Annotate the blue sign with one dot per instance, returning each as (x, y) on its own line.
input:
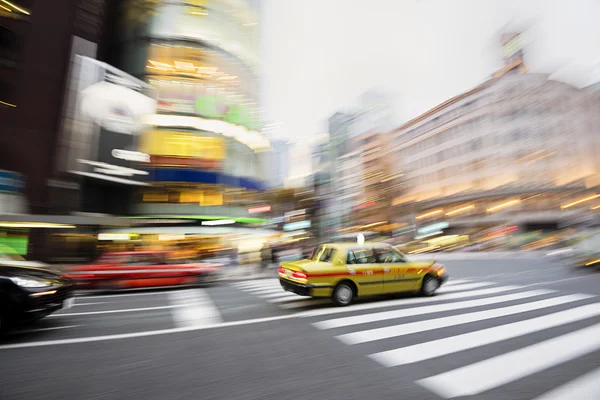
(11, 182)
(297, 225)
(432, 228)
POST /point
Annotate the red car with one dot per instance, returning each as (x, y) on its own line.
(127, 270)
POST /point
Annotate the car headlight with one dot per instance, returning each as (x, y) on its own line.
(29, 282)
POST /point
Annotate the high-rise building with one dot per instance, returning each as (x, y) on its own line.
(37, 39)
(204, 146)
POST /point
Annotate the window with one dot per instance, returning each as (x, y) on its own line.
(327, 255)
(315, 253)
(143, 259)
(361, 256)
(389, 255)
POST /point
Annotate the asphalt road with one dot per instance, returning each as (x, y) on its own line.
(502, 329)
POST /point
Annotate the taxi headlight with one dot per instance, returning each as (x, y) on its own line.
(441, 271)
(29, 282)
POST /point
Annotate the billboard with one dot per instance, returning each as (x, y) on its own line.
(106, 116)
(181, 148)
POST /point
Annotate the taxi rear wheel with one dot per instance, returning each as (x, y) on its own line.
(343, 294)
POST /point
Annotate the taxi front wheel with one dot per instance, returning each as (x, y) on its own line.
(343, 294)
(429, 286)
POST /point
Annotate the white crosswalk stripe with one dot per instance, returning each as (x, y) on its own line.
(387, 315)
(454, 344)
(506, 368)
(428, 325)
(585, 387)
(460, 307)
(466, 286)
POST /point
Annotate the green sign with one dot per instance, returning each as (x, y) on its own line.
(218, 107)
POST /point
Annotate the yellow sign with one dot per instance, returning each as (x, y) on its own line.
(182, 144)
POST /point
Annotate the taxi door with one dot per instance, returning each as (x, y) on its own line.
(365, 271)
(398, 276)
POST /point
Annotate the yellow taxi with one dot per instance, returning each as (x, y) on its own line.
(344, 271)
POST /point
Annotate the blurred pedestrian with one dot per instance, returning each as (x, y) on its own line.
(266, 256)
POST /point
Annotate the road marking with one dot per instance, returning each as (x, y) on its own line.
(506, 368)
(113, 311)
(287, 297)
(453, 282)
(466, 286)
(143, 334)
(89, 304)
(265, 290)
(454, 344)
(279, 293)
(33, 330)
(105, 296)
(387, 332)
(584, 387)
(407, 312)
(260, 282)
(557, 281)
(304, 303)
(193, 308)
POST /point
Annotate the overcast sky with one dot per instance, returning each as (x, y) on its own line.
(319, 55)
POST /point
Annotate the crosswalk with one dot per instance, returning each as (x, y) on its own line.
(271, 291)
(460, 325)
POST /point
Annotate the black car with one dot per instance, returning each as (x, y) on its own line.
(28, 293)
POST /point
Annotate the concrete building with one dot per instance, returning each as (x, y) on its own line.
(277, 163)
(518, 148)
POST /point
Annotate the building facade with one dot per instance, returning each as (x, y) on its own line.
(34, 63)
(518, 149)
(206, 155)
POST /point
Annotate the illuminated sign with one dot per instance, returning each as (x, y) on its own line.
(195, 99)
(130, 155)
(260, 209)
(432, 228)
(182, 144)
(297, 225)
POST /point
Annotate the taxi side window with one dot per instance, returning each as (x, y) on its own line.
(327, 255)
(389, 256)
(363, 256)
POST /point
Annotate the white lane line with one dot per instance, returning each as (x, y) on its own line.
(387, 332)
(33, 330)
(106, 296)
(89, 304)
(407, 312)
(142, 334)
(466, 286)
(304, 303)
(288, 297)
(112, 311)
(584, 387)
(508, 367)
(193, 308)
(453, 282)
(454, 344)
